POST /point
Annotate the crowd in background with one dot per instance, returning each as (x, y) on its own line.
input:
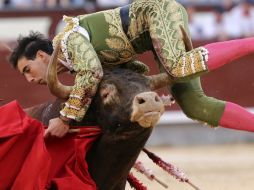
(226, 19)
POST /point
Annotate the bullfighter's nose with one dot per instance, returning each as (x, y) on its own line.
(147, 108)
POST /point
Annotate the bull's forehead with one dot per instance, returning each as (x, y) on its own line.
(121, 92)
(119, 87)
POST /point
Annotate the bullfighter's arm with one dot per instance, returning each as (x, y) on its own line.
(89, 72)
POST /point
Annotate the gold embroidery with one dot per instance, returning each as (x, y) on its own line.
(137, 66)
(109, 56)
(69, 26)
(115, 43)
(121, 49)
(78, 91)
(89, 73)
(197, 62)
(162, 18)
(75, 102)
(190, 63)
(188, 66)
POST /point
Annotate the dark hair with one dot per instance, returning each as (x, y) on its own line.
(28, 46)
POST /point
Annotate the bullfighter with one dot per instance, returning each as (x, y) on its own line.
(113, 37)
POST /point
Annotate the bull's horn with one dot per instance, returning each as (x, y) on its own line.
(55, 86)
(163, 79)
(159, 81)
(186, 39)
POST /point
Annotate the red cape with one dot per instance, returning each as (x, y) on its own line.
(28, 161)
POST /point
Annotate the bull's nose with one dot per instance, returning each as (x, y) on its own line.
(147, 98)
(147, 109)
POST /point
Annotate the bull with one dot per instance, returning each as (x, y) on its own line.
(125, 107)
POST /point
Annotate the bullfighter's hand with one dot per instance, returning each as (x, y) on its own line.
(57, 128)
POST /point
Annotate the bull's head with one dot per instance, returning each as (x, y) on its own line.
(120, 92)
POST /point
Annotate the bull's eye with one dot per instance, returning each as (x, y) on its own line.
(109, 94)
(105, 94)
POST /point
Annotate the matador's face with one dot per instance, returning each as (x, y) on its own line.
(34, 70)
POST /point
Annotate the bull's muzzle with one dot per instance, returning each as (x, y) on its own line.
(147, 109)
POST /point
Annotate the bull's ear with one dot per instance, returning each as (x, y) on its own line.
(167, 100)
(163, 79)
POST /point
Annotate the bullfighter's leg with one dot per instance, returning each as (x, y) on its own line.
(170, 51)
(164, 28)
(169, 46)
(196, 105)
(221, 53)
(163, 18)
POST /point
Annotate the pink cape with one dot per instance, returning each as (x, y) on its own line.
(28, 161)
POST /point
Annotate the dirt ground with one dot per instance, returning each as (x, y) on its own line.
(216, 167)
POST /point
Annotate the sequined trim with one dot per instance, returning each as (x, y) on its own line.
(68, 116)
(88, 75)
(75, 96)
(191, 63)
(71, 27)
(204, 52)
(70, 106)
(72, 113)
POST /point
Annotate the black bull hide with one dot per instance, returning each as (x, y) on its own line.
(112, 156)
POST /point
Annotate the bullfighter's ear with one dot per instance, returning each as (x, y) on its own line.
(167, 100)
